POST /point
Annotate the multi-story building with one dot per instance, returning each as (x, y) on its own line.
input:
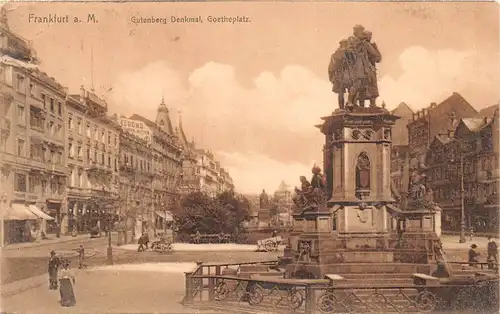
(136, 181)
(207, 172)
(189, 182)
(225, 181)
(32, 142)
(400, 149)
(400, 129)
(167, 156)
(434, 120)
(475, 140)
(93, 155)
(400, 162)
(283, 199)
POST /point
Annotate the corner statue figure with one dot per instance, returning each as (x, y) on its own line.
(264, 200)
(352, 69)
(311, 193)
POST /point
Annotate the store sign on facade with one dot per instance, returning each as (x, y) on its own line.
(137, 128)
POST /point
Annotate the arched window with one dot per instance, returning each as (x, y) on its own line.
(363, 175)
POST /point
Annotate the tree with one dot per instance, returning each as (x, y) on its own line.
(224, 213)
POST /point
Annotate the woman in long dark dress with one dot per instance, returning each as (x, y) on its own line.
(67, 280)
(53, 268)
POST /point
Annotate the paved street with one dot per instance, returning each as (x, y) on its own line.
(29, 262)
(32, 261)
(109, 291)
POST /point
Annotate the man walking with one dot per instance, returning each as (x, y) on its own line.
(492, 253)
(54, 264)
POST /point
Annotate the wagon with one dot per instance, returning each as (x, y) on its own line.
(161, 247)
(269, 244)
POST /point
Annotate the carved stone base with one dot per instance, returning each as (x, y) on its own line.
(372, 250)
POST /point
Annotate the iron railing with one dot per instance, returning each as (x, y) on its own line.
(276, 295)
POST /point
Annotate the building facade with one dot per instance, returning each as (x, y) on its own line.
(167, 154)
(283, 199)
(135, 181)
(32, 143)
(93, 156)
(66, 166)
(475, 140)
(434, 120)
(211, 178)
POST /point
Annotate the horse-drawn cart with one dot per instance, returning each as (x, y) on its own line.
(269, 244)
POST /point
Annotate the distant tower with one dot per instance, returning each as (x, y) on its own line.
(163, 118)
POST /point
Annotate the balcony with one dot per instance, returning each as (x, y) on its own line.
(4, 124)
(37, 164)
(38, 129)
(34, 101)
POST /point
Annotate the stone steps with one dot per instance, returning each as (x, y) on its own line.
(374, 268)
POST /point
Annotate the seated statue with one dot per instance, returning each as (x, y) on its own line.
(301, 199)
(311, 193)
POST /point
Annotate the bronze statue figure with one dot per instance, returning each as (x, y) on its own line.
(352, 69)
(311, 193)
(264, 200)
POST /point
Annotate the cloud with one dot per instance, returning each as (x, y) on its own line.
(429, 76)
(265, 132)
(253, 172)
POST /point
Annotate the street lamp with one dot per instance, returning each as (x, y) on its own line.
(110, 248)
(462, 147)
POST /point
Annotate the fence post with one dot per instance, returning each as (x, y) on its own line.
(310, 300)
(211, 289)
(217, 273)
(188, 297)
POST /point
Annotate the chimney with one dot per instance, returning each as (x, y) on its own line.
(433, 105)
(82, 93)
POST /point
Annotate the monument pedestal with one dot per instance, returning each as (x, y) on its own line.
(360, 229)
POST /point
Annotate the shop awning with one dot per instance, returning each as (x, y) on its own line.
(18, 212)
(37, 211)
(165, 215)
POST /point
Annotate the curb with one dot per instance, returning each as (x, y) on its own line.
(38, 244)
(10, 289)
(11, 248)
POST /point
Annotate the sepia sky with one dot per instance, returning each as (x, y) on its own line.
(252, 92)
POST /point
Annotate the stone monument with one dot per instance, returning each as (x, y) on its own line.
(351, 221)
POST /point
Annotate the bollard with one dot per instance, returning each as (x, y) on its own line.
(188, 297)
(211, 289)
(310, 300)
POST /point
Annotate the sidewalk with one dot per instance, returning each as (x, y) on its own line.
(452, 242)
(52, 240)
(19, 286)
(107, 291)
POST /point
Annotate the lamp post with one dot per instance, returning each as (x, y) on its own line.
(110, 248)
(461, 146)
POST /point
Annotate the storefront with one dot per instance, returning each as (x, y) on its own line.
(23, 223)
(163, 220)
(54, 210)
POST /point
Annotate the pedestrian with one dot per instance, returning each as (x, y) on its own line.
(146, 239)
(492, 253)
(141, 243)
(54, 264)
(275, 234)
(473, 255)
(67, 280)
(81, 256)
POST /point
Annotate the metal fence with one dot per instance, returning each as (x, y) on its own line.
(207, 287)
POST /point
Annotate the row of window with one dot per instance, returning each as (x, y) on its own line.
(91, 155)
(40, 124)
(93, 132)
(34, 184)
(55, 106)
(470, 190)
